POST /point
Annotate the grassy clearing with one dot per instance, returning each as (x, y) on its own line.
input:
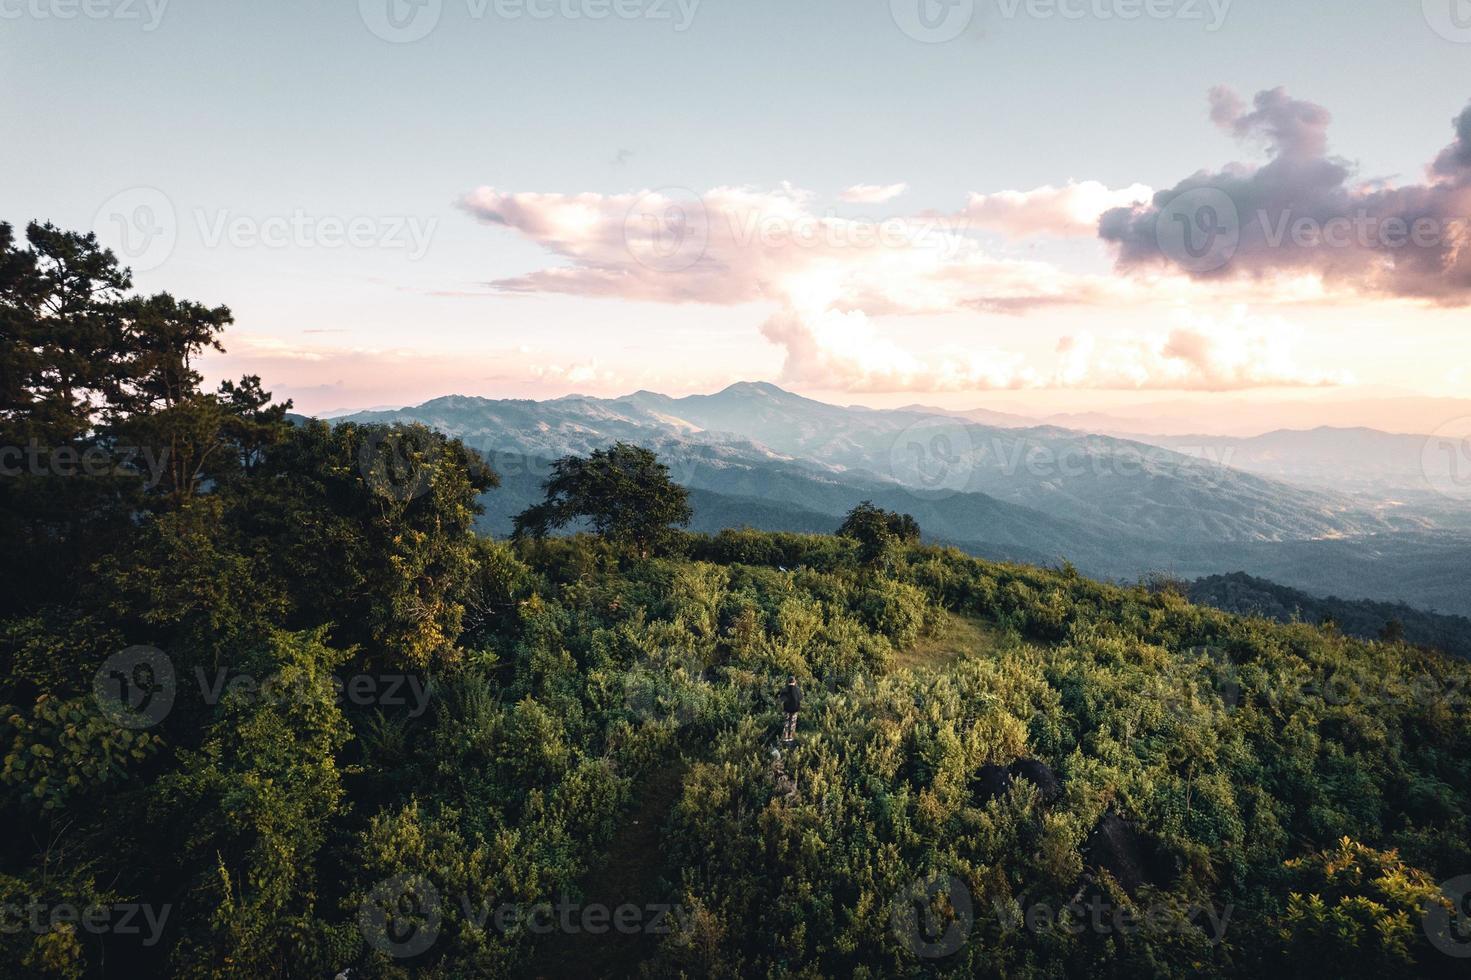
(955, 638)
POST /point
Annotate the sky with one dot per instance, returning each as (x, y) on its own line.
(1031, 205)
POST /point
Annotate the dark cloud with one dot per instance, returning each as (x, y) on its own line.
(1455, 160)
(1291, 129)
(1304, 212)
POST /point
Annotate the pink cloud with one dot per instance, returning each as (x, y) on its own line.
(1071, 211)
(872, 193)
(827, 277)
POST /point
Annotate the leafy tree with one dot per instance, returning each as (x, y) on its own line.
(60, 346)
(878, 531)
(101, 414)
(624, 492)
(372, 530)
(60, 333)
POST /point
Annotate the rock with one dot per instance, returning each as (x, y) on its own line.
(1040, 775)
(1132, 857)
(990, 782)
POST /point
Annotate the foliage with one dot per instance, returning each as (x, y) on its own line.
(878, 531)
(1309, 790)
(1355, 912)
(623, 492)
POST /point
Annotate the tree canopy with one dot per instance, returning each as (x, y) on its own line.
(623, 493)
(878, 531)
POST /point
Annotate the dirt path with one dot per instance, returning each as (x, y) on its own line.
(629, 875)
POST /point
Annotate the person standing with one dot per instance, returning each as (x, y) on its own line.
(791, 703)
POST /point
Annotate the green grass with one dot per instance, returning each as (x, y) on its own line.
(953, 639)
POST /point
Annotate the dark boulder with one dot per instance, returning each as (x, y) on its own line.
(1133, 858)
(990, 782)
(1040, 775)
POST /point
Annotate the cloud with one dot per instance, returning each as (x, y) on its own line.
(1303, 211)
(872, 193)
(829, 277)
(1071, 211)
(1200, 354)
(577, 374)
(826, 275)
(842, 351)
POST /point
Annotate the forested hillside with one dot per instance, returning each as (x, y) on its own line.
(1242, 593)
(273, 708)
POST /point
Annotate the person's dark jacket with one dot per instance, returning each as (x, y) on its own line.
(791, 699)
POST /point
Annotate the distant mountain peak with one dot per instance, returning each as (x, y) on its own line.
(765, 388)
(452, 402)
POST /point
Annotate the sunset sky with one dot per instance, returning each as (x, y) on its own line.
(523, 199)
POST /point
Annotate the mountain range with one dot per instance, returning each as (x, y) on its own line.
(1321, 510)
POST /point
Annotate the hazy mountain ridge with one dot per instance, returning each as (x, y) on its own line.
(755, 455)
(1115, 485)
